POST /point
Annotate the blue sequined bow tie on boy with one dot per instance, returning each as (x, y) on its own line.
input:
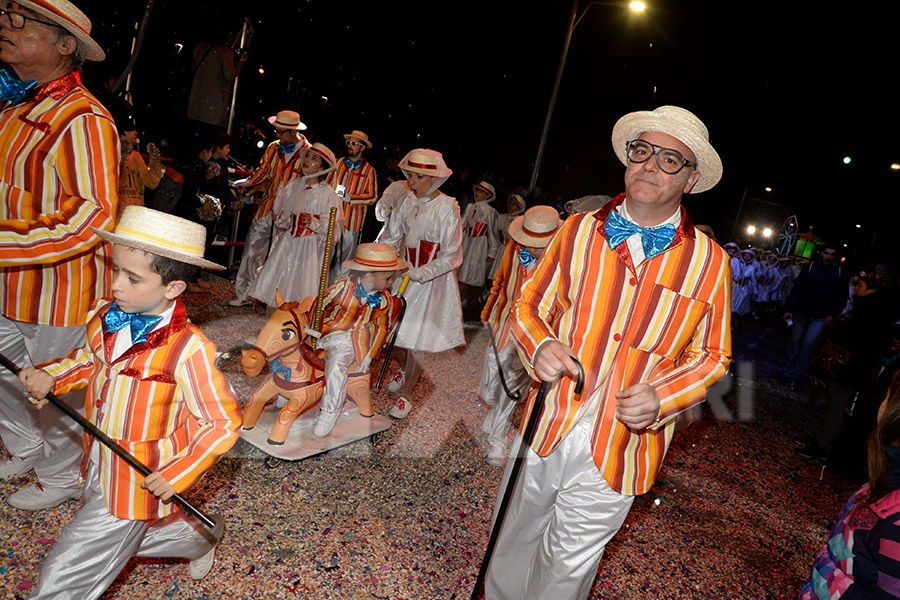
(286, 148)
(525, 257)
(653, 239)
(116, 319)
(12, 88)
(372, 299)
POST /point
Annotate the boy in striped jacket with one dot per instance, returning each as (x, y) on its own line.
(152, 385)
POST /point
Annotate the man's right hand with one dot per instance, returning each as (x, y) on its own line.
(38, 383)
(552, 360)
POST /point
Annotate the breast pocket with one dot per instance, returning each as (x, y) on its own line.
(668, 323)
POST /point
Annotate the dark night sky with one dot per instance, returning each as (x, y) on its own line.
(786, 91)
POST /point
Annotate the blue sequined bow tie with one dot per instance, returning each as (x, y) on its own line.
(12, 88)
(653, 239)
(280, 369)
(525, 257)
(286, 148)
(372, 299)
(116, 319)
(353, 164)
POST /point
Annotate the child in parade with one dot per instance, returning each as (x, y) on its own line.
(359, 313)
(515, 206)
(480, 240)
(302, 208)
(530, 234)
(152, 385)
(427, 224)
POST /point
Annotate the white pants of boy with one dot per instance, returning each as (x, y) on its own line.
(497, 423)
(559, 520)
(256, 248)
(339, 356)
(48, 433)
(95, 546)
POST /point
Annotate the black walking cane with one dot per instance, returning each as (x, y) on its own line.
(512, 395)
(110, 443)
(393, 340)
(514, 474)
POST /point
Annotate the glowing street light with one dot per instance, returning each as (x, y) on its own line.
(751, 229)
(895, 167)
(767, 232)
(637, 6)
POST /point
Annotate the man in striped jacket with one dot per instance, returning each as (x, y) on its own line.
(641, 298)
(58, 178)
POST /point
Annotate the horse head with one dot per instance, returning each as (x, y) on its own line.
(280, 336)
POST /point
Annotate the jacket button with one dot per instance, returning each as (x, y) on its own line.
(617, 337)
(633, 281)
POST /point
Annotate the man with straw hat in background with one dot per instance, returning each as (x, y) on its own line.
(641, 298)
(279, 164)
(57, 180)
(354, 181)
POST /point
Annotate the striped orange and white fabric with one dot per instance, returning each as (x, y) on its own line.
(368, 326)
(360, 187)
(273, 171)
(163, 400)
(58, 178)
(504, 293)
(666, 323)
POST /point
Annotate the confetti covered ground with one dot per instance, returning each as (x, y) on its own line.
(735, 512)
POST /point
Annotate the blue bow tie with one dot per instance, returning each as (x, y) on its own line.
(372, 299)
(525, 257)
(353, 164)
(12, 88)
(116, 319)
(653, 239)
(280, 369)
(286, 148)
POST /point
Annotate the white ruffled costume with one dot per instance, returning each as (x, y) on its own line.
(480, 240)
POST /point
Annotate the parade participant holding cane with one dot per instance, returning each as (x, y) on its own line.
(57, 180)
(641, 298)
(152, 385)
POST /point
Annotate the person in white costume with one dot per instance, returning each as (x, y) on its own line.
(743, 275)
(480, 240)
(426, 223)
(301, 211)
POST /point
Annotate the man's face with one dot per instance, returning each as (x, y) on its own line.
(289, 136)
(647, 185)
(131, 137)
(828, 255)
(34, 50)
(355, 149)
(135, 287)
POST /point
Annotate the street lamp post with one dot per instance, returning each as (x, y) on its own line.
(573, 22)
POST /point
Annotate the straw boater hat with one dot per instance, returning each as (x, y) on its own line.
(680, 124)
(425, 162)
(286, 120)
(375, 257)
(536, 227)
(323, 151)
(161, 233)
(359, 136)
(487, 187)
(69, 17)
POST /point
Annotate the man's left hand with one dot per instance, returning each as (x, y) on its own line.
(157, 485)
(637, 406)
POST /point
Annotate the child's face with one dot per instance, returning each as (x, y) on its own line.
(481, 195)
(136, 288)
(420, 184)
(312, 163)
(534, 251)
(378, 281)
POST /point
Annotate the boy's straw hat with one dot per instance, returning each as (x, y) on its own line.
(161, 233)
(536, 227)
(375, 257)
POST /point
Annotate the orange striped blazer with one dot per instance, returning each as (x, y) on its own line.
(504, 294)
(368, 326)
(163, 400)
(273, 171)
(665, 322)
(361, 189)
(58, 178)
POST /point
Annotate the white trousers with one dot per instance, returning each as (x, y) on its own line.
(95, 546)
(256, 248)
(47, 433)
(559, 520)
(498, 420)
(339, 356)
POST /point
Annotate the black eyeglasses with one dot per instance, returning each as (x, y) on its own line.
(17, 20)
(669, 161)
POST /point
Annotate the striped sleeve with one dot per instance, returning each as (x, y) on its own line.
(493, 306)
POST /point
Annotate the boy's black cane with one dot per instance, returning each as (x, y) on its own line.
(512, 395)
(390, 348)
(110, 443)
(527, 437)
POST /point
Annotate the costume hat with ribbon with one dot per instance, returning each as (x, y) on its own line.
(425, 162)
(536, 227)
(286, 120)
(486, 188)
(323, 151)
(375, 257)
(359, 136)
(69, 17)
(682, 125)
(161, 233)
